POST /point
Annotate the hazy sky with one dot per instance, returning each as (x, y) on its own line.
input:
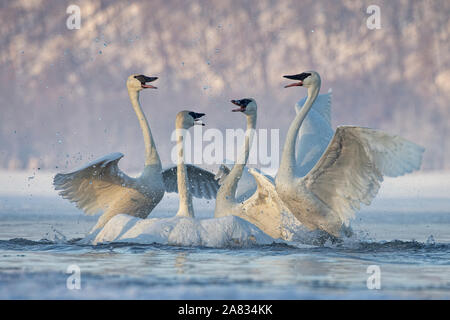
(63, 98)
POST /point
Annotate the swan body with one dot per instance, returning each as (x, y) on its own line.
(183, 229)
(348, 173)
(102, 186)
(264, 208)
(230, 231)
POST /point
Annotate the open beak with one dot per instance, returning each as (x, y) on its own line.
(295, 84)
(299, 77)
(145, 79)
(238, 103)
(148, 86)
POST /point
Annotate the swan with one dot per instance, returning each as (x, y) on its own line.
(264, 208)
(102, 186)
(348, 173)
(313, 138)
(183, 228)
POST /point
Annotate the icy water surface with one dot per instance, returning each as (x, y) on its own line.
(408, 238)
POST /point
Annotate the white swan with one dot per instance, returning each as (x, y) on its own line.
(183, 229)
(102, 186)
(347, 174)
(313, 138)
(264, 208)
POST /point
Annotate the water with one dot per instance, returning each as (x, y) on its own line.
(408, 238)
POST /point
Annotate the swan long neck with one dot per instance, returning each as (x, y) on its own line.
(228, 188)
(288, 163)
(185, 208)
(151, 154)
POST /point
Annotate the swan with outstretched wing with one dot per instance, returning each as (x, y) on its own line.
(348, 173)
(101, 186)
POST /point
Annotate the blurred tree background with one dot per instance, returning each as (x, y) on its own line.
(63, 99)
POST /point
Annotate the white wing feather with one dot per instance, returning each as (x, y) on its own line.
(97, 185)
(264, 208)
(246, 186)
(315, 133)
(352, 167)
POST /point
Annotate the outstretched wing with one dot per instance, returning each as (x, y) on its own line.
(392, 155)
(202, 183)
(264, 208)
(352, 167)
(97, 185)
(315, 133)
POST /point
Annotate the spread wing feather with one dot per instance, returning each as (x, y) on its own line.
(352, 167)
(95, 186)
(202, 183)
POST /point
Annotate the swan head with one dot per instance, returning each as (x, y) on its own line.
(137, 82)
(247, 106)
(305, 79)
(187, 119)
